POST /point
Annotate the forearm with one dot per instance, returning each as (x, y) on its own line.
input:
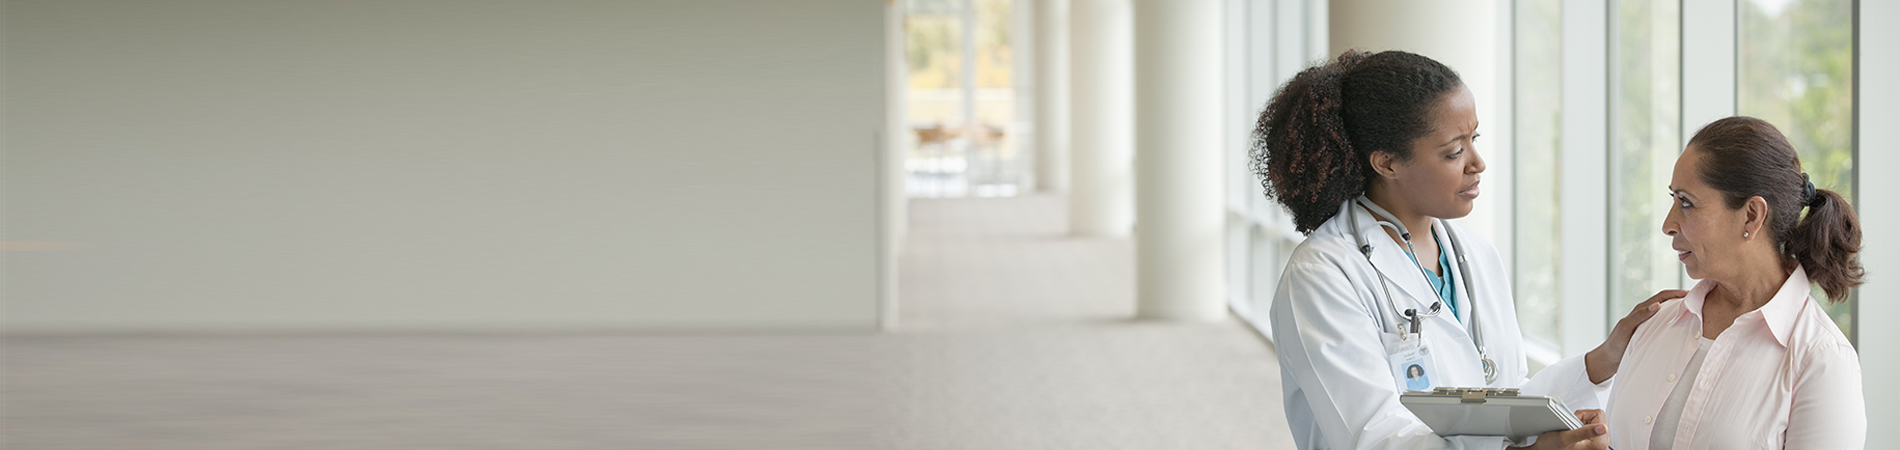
(1601, 365)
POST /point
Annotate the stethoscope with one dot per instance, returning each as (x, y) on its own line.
(1412, 316)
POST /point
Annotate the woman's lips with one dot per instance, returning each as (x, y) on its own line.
(1682, 255)
(1470, 192)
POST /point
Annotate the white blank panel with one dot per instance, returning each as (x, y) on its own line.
(1879, 209)
(1708, 63)
(1583, 199)
(226, 165)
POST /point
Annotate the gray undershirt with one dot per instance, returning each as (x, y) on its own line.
(1663, 436)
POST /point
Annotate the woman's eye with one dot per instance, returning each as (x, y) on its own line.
(1680, 201)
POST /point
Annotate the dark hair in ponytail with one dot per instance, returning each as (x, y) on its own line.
(1747, 157)
(1312, 144)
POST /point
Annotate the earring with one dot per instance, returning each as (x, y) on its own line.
(1744, 234)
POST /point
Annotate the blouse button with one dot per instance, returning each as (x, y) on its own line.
(1648, 419)
(1672, 377)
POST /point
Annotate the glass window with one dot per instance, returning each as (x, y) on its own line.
(1538, 62)
(1645, 132)
(1260, 232)
(960, 112)
(1795, 65)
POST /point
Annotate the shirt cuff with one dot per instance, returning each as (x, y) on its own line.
(1569, 381)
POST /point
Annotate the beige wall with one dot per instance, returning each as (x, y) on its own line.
(414, 165)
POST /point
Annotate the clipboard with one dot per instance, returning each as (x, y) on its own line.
(1489, 412)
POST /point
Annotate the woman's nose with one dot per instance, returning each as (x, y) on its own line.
(1477, 162)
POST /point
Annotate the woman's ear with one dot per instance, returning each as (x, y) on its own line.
(1383, 163)
(1754, 215)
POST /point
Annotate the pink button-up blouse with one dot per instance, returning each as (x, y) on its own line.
(1782, 376)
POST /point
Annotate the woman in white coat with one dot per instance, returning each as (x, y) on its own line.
(1370, 153)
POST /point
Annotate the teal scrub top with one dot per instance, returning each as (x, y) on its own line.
(1441, 281)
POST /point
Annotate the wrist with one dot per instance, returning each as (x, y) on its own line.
(1600, 365)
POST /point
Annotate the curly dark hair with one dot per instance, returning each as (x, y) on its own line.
(1312, 144)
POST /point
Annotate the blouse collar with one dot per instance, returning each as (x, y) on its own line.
(1780, 312)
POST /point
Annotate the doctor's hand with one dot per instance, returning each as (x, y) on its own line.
(1593, 436)
(1603, 361)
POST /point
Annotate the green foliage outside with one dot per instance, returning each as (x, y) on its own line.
(934, 43)
(1538, 135)
(1795, 63)
(1797, 73)
(1645, 140)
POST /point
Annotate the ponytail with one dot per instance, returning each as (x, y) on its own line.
(1312, 143)
(1747, 157)
(1826, 241)
(1300, 149)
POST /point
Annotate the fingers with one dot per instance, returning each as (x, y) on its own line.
(1569, 438)
(1643, 310)
(1593, 428)
(1641, 314)
(1663, 296)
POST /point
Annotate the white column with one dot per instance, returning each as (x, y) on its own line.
(1708, 73)
(895, 145)
(1582, 199)
(1178, 160)
(1020, 134)
(1292, 36)
(1052, 95)
(1877, 109)
(968, 49)
(1708, 63)
(1101, 196)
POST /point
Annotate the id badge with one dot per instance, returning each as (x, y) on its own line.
(1411, 361)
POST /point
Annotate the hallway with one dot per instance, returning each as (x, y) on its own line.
(674, 224)
(1013, 337)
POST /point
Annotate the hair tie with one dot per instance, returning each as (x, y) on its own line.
(1808, 196)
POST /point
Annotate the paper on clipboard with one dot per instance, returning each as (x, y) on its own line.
(1489, 412)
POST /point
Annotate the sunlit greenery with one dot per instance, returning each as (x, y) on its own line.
(1795, 65)
(965, 130)
(1538, 109)
(934, 44)
(1645, 139)
(1796, 61)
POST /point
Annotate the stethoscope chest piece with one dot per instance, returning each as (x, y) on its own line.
(1490, 370)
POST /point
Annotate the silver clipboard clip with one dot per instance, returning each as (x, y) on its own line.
(1474, 395)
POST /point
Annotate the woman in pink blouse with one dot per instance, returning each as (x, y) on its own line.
(1748, 360)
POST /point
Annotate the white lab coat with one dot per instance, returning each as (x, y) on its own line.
(1329, 314)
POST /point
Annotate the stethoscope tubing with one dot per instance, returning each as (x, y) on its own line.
(1471, 296)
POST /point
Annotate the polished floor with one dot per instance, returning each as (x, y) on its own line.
(1012, 336)
(1019, 337)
